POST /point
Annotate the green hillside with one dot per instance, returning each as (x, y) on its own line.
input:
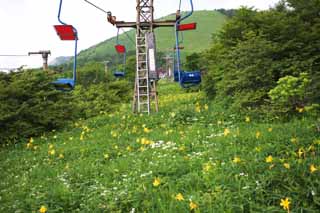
(190, 156)
(209, 22)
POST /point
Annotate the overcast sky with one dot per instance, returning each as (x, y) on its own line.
(27, 25)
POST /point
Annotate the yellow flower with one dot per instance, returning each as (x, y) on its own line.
(82, 136)
(285, 203)
(146, 130)
(247, 119)
(258, 134)
(29, 145)
(300, 152)
(258, 149)
(294, 140)
(219, 122)
(300, 109)
(52, 152)
(269, 159)
(31, 140)
(198, 108)
(43, 209)
(179, 197)
(206, 107)
(156, 182)
(129, 149)
(193, 205)
(286, 165)
(226, 132)
(236, 160)
(313, 168)
(61, 156)
(207, 167)
(270, 129)
(172, 114)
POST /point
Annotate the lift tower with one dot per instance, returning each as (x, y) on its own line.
(45, 54)
(145, 89)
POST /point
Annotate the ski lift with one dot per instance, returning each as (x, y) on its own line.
(185, 78)
(121, 49)
(67, 33)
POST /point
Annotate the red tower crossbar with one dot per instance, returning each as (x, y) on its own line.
(65, 32)
(190, 26)
(120, 48)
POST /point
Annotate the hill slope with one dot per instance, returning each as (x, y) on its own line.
(191, 155)
(209, 22)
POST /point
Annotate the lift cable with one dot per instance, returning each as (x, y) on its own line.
(99, 8)
(13, 55)
(128, 36)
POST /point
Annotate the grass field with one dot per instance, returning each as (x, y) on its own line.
(192, 156)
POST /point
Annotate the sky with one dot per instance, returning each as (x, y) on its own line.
(27, 25)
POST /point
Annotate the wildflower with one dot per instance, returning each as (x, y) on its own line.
(193, 205)
(82, 136)
(270, 129)
(31, 140)
(50, 146)
(313, 168)
(198, 108)
(61, 156)
(129, 149)
(156, 182)
(206, 107)
(52, 152)
(300, 109)
(29, 145)
(258, 149)
(146, 130)
(294, 140)
(247, 119)
(55, 137)
(70, 138)
(43, 209)
(179, 197)
(286, 165)
(236, 160)
(258, 134)
(269, 159)
(219, 122)
(207, 167)
(114, 134)
(285, 203)
(172, 114)
(226, 132)
(300, 152)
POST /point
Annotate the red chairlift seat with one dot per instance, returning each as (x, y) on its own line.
(66, 32)
(189, 26)
(120, 48)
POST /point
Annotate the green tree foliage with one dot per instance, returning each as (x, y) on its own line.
(30, 106)
(291, 92)
(101, 98)
(255, 49)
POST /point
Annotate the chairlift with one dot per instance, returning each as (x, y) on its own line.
(185, 78)
(121, 49)
(67, 33)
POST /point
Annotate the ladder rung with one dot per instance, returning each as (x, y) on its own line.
(142, 53)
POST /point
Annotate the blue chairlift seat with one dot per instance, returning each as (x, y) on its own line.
(187, 78)
(119, 74)
(64, 84)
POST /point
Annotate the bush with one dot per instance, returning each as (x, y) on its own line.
(29, 106)
(291, 92)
